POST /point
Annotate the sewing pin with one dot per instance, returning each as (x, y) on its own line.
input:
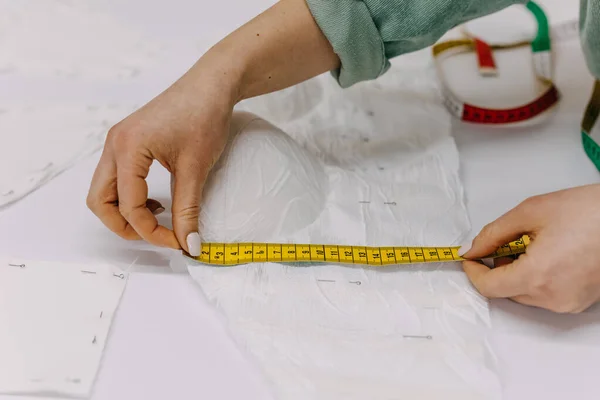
(428, 337)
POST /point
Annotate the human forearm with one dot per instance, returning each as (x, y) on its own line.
(279, 48)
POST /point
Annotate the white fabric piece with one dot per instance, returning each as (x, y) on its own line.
(370, 165)
(54, 323)
(44, 141)
(70, 38)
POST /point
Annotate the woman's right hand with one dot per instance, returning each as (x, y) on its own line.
(185, 128)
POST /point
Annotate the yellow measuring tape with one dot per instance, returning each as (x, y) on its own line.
(230, 254)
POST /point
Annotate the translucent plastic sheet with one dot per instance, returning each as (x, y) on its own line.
(372, 165)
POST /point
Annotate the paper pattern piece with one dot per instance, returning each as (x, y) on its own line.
(371, 165)
(44, 141)
(55, 319)
(67, 41)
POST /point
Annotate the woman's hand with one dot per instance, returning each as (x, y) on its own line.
(560, 270)
(186, 127)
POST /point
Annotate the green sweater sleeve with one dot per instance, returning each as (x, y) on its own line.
(589, 25)
(366, 34)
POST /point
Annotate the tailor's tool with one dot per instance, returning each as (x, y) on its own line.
(229, 254)
(543, 70)
(543, 65)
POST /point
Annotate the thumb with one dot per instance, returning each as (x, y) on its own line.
(188, 183)
(511, 226)
(508, 280)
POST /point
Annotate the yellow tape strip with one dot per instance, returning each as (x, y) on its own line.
(469, 45)
(229, 254)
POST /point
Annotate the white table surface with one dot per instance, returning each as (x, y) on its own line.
(167, 342)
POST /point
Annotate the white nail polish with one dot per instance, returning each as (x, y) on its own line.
(464, 249)
(194, 244)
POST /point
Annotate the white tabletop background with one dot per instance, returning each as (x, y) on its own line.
(167, 342)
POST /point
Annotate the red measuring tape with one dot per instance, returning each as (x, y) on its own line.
(485, 58)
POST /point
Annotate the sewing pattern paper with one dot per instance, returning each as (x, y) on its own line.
(55, 320)
(46, 140)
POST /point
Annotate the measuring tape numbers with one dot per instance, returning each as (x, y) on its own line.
(231, 254)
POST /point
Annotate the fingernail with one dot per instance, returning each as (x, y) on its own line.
(159, 210)
(464, 248)
(194, 244)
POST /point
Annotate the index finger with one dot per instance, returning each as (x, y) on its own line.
(133, 195)
(102, 198)
(521, 220)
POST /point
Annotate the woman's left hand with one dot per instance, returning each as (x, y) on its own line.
(560, 270)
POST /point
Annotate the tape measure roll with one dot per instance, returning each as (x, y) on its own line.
(231, 254)
(543, 69)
